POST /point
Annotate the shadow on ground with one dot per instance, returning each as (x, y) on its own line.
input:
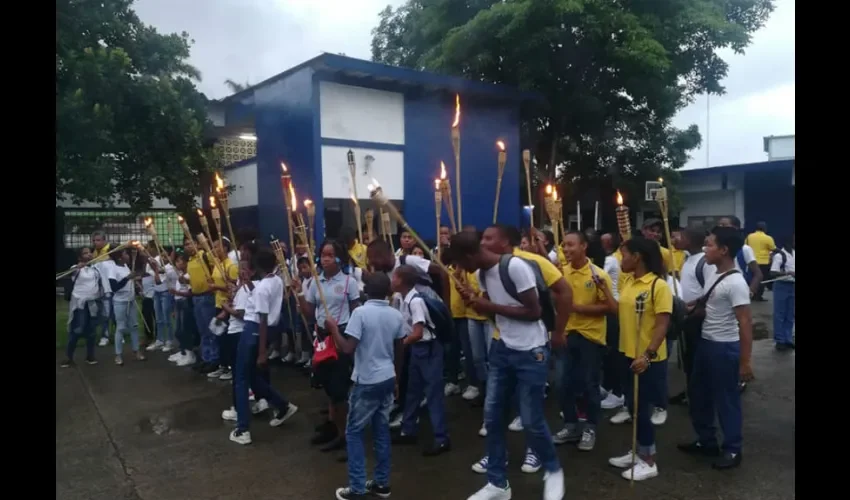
(152, 431)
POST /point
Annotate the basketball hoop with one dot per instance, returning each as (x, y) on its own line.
(651, 190)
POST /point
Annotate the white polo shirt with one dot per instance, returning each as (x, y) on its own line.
(268, 298)
(516, 334)
(414, 311)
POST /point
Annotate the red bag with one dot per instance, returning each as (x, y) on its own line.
(325, 350)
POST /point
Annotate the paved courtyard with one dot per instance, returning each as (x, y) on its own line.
(153, 431)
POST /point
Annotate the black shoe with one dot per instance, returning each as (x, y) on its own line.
(729, 460)
(437, 449)
(91, 361)
(347, 494)
(402, 439)
(377, 490)
(67, 363)
(211, 367)
(325, 437)
(679, 399)
(697, 448)
(337, 443)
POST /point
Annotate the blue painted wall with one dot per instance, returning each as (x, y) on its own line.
(285, 128)
(769, 198)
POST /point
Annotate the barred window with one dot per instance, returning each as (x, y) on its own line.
(120, 226)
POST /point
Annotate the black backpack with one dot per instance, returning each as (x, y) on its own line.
(547, 308)
(441, 316)
(700, 271)
(677, 317)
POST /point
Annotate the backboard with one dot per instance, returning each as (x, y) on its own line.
(651, 188)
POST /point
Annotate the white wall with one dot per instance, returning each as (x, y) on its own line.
(388, 169)
(361, 114)
(244, 181)
(711, 204)
(780, 148)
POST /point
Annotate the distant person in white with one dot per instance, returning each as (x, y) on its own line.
(783, 268)
(520, 358)
(613, 375)
(724, 354)
(86, 290)
(745, 259)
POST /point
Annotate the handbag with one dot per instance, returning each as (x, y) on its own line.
(324, 350)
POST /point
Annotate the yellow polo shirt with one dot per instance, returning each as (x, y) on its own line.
(665, 256)
(661, 303)
(562, 259)
(457, 306)
(618, 255)
(762, 244)
(197, 274)
(102, 251)
(678, 259)
(358, 254)
(586, 293)
(551, 274)
(472, 281)
(232, 272)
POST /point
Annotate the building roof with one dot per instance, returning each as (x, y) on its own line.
(377, 72)
(762, 166)
(768, 138)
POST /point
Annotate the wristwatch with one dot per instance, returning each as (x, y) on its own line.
(650, 355)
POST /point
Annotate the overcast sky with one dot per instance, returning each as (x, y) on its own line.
(250, 40)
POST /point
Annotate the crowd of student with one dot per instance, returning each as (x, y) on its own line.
(388, 336)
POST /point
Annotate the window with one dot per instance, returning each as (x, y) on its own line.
(120, 226)
(706, 221)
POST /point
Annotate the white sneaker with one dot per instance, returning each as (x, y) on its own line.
(659, 416)
(482, 431)
(289, 358)
(188, 359)
(103, 342)
(470, 393)
(260, 406)
(396, 422)
(611, 401)
(553, 485)
(167, 346)
(155, 346)
(516, 425)
(480, 467)
(305, 358)
(229, 414)
(243, 437)
(175, 357)
(623, 461)
(641, 471)
(621, 417)
(451, 389)
(218, 372)
(280, 416)
(227, 375)
(274, 354)
(531, 463)
(251, 396)
(492, 492)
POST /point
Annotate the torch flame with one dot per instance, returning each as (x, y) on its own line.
(353, 198)
(148, 222)
(307, 203)
(212, 201)
(373, 186)
(283, 167)
(548, 189)
(442, 171)
(619, 198)
(180, 219)
(292, 196)
(555, 194)
(437, 184)
(501, 145)
(219, 182)
(200, 213)
(457, 111)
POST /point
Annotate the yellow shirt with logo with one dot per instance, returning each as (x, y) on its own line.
(660, 303)
(197, 274)
(586, 293)
(358, 254)
(232, 272)
(457, 306)
(762, 244)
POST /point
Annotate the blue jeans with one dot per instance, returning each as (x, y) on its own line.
(523, 373)
(369, 403)
(163, 303)
(204, 313)
(460, 341)
(82, 326)
(783, 311)
(425, 378)
(479, 344)
(652, 387)
(578, 373)
(126, 321)
(106, 315)
(182, 331)
(246, 374)
(714, 388)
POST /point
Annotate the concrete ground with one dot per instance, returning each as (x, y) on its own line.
(153, 431)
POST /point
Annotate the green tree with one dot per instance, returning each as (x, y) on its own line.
(129, 121)
(235, 86)
(614, 73)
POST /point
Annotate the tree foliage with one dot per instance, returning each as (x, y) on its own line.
(614, 73)
(129, 121)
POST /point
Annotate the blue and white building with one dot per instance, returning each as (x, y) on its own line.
(397, 123)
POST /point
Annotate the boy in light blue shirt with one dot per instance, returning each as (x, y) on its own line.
(374, 332)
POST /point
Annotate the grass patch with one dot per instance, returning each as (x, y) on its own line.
(62, 310)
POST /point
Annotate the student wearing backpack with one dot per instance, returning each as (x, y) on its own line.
(723, 356)
(425, 370)
(745, 259)
(783, 265)
(519, 360)
(763, 247)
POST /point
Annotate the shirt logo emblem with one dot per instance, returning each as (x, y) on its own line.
(588, 284)
(338, 289)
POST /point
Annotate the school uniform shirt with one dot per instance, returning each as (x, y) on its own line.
(678, 286)
(420, 264)
(691, 290)
(163, 276)
(148, 282)
(586, 293)
(251, 304)
(749, 257)
(720, 323)
(762, 245)
(660, 302)
(612, 268)
(198, 274)
(339, 290)
(678, 259)
(102, 251)
(665, 255)
(105, 270)
(128, 291)
(457, 306)
(268, 298)
(358, 254)
(232, 272)
(414, 311)
(790, 264)
(87, 284)
(472, 281)
(293, 264)
(240, 303)
(516, 334)
(376, 326)
(172, 281)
